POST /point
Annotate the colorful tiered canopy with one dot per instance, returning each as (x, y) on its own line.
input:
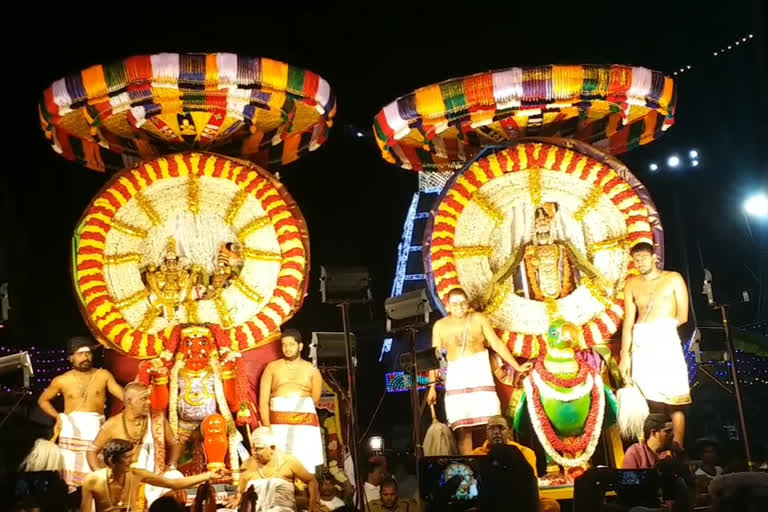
(110, 116)
(443, 126)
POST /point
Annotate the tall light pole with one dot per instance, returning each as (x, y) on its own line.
(756, 206)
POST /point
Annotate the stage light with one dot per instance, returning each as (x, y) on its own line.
(410, 310)
(339, 285)
(750, 36)
(426, 360)
(20, 361)
(359, 135)
(743, 38)
(729, 47)
(693, 153)
(689, 66)
(327, 350)
(376, 444)
(653, 167)
(694, 163)
(757, 205)
(714, 53)
(673, 161)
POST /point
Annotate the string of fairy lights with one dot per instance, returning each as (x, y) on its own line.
(751, 368)
(719, 52)
(46, 362)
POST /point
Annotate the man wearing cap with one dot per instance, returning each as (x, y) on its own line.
(85, 393)
(271, 475)
(657, 431)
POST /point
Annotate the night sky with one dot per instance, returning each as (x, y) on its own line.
(353, 201)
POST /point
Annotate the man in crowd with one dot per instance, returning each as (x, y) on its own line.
(390, 500)
(377, 473)
(498, 433)
(470, 397)
(290, 388)
(84, 389)
(329, 498)
(657, 431)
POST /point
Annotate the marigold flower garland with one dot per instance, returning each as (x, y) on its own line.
(567, 453)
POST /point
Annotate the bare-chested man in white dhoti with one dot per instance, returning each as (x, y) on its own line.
(290, 388)
(470, 396)
(655, 304)
(84, 389)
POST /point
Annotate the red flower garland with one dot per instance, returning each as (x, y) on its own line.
(551, 378)
(580, 443)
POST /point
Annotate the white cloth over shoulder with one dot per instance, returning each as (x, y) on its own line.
(470, 393)
(274, 495)
(146, 461)
(146, 458)
(658, 363)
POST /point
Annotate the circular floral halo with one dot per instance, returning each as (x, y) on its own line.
(442, 126)
(202, 202)
(600, 214)
(110, 116)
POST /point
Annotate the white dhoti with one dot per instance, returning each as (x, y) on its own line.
(470, 394)
(78, 430)
(296, 429)
(273, 495)
(658, 363)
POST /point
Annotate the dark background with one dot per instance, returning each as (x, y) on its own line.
(353, 201)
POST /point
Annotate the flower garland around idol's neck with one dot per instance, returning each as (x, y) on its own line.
(566, 382)
(572, 453)
(556, 393)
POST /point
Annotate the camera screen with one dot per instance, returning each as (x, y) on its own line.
(631, 478)
(463, 478)
(637, 486)
(449, 479)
